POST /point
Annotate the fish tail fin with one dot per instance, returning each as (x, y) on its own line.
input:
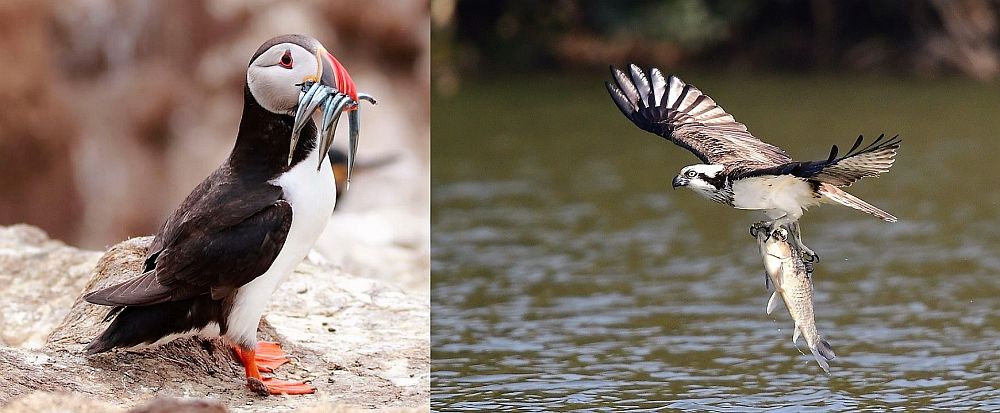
(823, 353)
(826, 350)
(821, 361)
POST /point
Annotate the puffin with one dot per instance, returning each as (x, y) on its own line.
(214, 264)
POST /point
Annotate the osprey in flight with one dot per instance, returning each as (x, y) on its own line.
(738, 169)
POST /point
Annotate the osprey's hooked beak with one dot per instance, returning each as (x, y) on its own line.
(679, 181)
(332, 89)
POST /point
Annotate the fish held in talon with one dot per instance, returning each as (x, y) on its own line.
(216, 261)
(792, 281)
(738, 169)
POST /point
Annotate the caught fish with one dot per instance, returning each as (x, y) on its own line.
(317, 96)
(791, 279)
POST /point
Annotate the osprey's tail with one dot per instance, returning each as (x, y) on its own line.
(834, 194)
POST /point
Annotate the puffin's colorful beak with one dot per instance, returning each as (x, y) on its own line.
(336, 75)
(332, 89)
(333, 74)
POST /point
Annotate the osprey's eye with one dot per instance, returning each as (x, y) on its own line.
(691, 174)
(286, 60)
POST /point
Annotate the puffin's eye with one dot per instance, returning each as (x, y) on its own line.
(286, 60)
(691, 174)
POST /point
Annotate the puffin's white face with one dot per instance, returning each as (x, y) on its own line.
(275, 78)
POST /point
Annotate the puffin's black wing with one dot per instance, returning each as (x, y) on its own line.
(227, 259)
(222, 237)
(685, 116)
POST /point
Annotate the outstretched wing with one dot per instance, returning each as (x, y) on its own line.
(208, 246)
(872, 160)
(683, 115)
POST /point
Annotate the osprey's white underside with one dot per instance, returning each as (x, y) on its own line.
(783, 198)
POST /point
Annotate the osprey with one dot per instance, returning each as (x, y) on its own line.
(738, 169)
(220, 255)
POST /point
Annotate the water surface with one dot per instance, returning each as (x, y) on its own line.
(567, 275)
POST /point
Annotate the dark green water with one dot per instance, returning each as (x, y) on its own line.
(567, 275)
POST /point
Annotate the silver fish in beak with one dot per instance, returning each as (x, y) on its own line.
(332, 91)
(355, 125)
(312, 96)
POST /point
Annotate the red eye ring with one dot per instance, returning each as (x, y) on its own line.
(286, 60)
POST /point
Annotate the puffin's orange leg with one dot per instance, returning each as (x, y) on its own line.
(268, 385)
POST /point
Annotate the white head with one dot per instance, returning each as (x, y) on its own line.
(700, 177)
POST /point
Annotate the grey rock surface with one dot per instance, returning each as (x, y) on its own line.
(361, 342)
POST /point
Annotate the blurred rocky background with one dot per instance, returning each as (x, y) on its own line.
(931, 37)
(113, 110)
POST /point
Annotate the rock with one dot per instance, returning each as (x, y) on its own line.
(39, 279)
(180, 406)
(42, 402)
(378, 356)
(58, 402)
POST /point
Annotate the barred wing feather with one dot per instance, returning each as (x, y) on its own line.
(684, 115)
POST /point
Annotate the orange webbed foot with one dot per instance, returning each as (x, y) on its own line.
(270, 356)
(273, 386)
(267, 356)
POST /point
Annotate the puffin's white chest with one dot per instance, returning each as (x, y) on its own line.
(312, 195)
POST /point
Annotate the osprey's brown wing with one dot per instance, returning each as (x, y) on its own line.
(683, 115)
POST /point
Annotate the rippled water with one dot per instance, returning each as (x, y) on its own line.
(568, 275)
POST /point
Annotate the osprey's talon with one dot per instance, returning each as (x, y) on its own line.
(757, 227)
(780, 234)
(810, 266)
(809, 256)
